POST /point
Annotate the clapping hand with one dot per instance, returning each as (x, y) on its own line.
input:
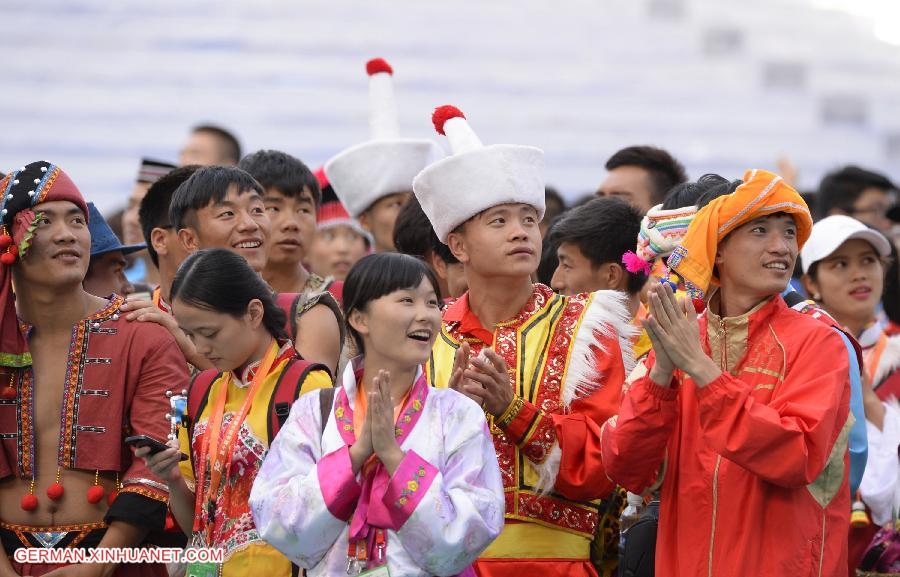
(675, 333)
(381, 417)
(487, 381)
(457, 378)
(377, 434)
(362, 449)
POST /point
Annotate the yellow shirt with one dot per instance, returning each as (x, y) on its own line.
(641, 344)
(233, 527)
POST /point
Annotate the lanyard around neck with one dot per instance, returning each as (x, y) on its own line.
(217, 453)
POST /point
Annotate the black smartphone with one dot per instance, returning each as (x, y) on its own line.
(145, 441)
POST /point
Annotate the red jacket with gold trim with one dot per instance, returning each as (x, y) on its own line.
(756, 462)
(117, 375)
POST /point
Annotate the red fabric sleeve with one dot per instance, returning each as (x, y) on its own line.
(634, 443)
(162, 368)
(788, 440)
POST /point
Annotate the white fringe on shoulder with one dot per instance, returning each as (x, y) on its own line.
(607, 315)
(890, 360)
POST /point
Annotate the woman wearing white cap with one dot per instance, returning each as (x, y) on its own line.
(843, 266)
(843, 271)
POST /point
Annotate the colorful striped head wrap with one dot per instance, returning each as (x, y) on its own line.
(661, 231)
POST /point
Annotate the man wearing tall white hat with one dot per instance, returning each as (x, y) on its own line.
(374, 179)
(545, 368)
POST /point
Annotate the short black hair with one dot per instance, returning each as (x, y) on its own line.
(219, 280)
(554, 203)
(376, 275)
(700, 193)
(604, 229)
(154, 208)
(414, 235)
(583, 199)
(840, 189)
(549, 259)
(206, 186)
(283, 172)
(230, 148)
(811, 199)
(665, 172)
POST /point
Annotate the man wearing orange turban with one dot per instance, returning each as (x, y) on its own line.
(762, 194)
(749, 403)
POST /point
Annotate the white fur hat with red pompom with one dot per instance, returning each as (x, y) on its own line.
(386, 164)
(476, 177)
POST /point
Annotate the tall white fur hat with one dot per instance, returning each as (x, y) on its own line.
(476, 177)
(386, 164)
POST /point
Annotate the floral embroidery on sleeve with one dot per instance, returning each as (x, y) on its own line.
(411, 487)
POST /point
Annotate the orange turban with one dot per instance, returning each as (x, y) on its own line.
(762, 194)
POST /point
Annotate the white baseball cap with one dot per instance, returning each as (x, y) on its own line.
(830, 233)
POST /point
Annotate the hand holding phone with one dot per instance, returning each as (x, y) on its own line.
(155, 446)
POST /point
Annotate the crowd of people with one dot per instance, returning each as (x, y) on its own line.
(408, 363)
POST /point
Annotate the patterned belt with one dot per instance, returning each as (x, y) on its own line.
(86, 536)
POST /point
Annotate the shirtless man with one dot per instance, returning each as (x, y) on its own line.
(66, 478)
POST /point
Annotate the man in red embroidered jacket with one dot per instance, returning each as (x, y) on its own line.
(546, 368)
(749, 407)
(75, 380)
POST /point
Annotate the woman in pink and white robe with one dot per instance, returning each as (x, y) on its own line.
(412, 485)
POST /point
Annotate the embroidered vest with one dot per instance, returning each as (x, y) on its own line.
(537, 346)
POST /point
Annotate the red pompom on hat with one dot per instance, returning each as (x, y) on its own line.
(376, 65)
(476, 177)
(444, 113)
